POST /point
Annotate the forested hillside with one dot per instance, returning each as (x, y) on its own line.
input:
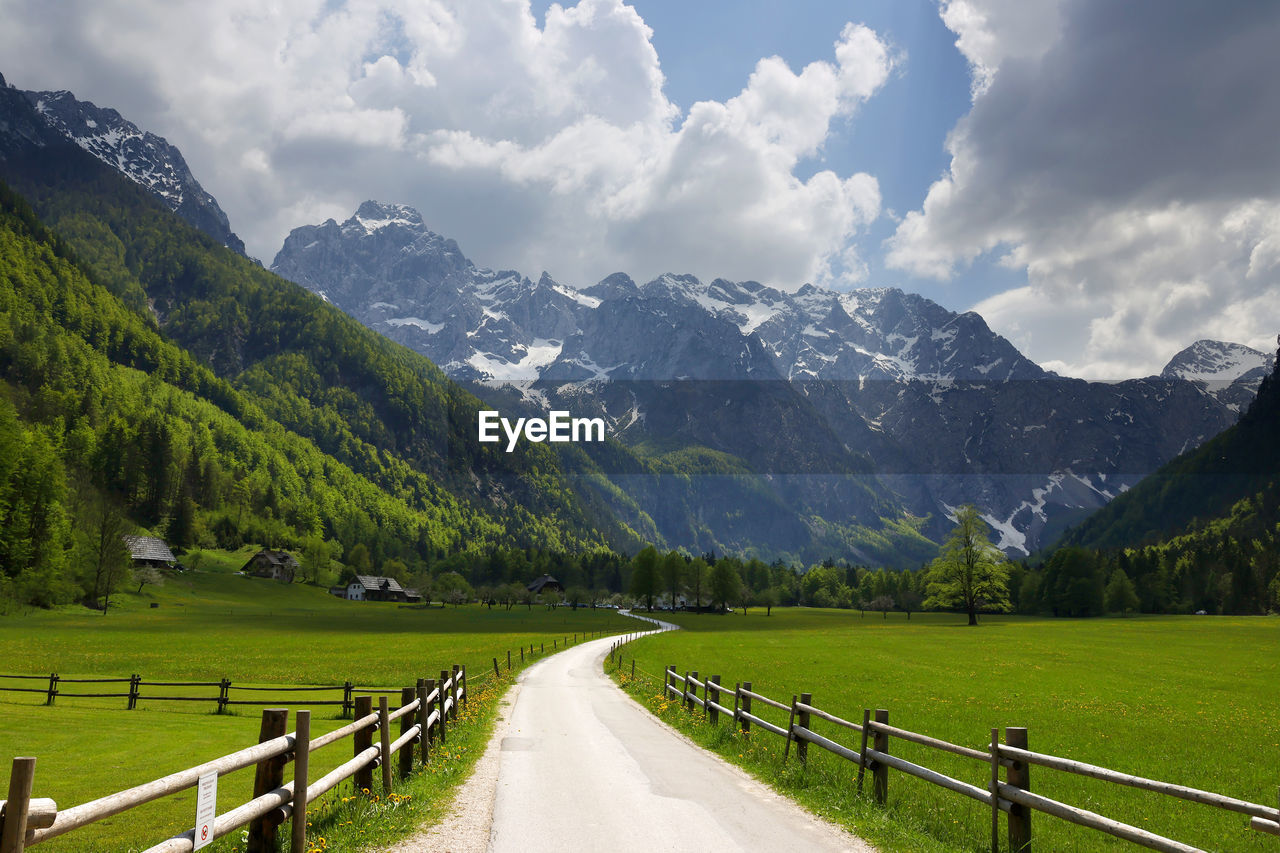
(100, 412)
(1202, 533)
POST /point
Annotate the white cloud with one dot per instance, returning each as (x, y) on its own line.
(537, 147)
(1123, 156)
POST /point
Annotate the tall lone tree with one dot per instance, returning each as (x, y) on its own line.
(644, 576)
(970, 572)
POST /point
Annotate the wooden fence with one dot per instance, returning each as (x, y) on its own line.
(425, 713)
(224, 694)
(872, 753)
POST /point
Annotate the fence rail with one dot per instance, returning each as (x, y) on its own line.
(423, 711)
(426, 712)
(226, 690)
(1011, 795)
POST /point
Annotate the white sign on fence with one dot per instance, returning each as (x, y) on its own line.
(206, 808)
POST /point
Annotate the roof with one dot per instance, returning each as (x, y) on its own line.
(545, 580)
(379, 583)
(274, 558)
(148, 548)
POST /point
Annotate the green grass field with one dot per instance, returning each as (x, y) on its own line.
(212, 624)
(1181, 699)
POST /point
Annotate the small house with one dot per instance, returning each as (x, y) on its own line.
(148, 551)
(277, 565)
(371, 588)
(546, 583)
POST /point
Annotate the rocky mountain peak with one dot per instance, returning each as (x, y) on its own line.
(1218, 361)
(374, 216)
(1229, 372)
(143, 157)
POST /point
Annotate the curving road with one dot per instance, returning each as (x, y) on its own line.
(583, 767)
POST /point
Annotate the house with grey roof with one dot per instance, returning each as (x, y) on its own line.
(277, 565)
(373, 588)
(149, 551)
(546, 583)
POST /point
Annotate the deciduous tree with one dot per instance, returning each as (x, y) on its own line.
(970, 572)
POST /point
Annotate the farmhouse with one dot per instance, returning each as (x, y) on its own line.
(277, 565)
(149, 551)
(546, 583)
(371, 588)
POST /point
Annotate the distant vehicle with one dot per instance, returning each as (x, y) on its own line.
(1202, 613)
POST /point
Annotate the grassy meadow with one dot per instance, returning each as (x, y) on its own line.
(1189, 700)
(212, 624)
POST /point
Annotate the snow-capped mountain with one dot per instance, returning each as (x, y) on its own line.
(1230, 372)
(941, 409)
(385, 268)
(143, 157)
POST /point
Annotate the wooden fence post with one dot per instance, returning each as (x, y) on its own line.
(993, 785)
(384, 737)
(1019, 776)
(406, 723)
(802, 745)
(135, 681)
(690, 695)
(880, 772)
(13, 835)
(712, 713)
(457, 683)
(424, 749)
(463, 670)
(301, 762)
(746, 707)
(786, 753)
(268, 777)
(52, 693)
(522, 654)
(441, 698)
(363, 739)
(224, 695)
(862, 755)
(429, 684)
(508, 660)
(496, 672)
(347, 706)
(633, 669)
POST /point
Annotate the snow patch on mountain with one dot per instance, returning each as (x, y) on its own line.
(428, 327)
(1217, 361)
(145, 158)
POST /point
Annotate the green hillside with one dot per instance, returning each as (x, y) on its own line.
(147, 369)
(1202, 533)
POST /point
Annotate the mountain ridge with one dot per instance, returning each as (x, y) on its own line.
(145, 158)
(900, 379)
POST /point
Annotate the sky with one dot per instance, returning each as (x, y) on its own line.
(1099, 180)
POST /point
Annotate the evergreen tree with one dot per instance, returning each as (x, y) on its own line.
(672, 570)
(699, 581)
(645, 582)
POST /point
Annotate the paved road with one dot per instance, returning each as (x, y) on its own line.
(582, 767)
